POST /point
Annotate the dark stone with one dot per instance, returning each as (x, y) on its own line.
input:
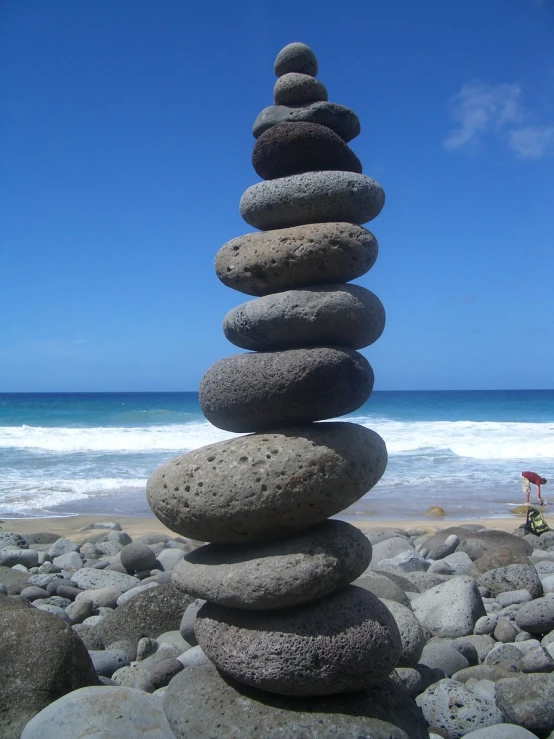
(165, 671)
(295, 57)
(343, 121)
(295, 88)
(498, 557)
(253, 392)
(340, 315)
(293, 148)
(266, 486)
(301, 256)
(137, 556)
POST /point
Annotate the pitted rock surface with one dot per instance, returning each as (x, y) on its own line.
(450, 609)
(340, 315)
(253, 392)
(198, 702)
(298, 569)
(344, 642)
(293, 148)
(537, 617)
(295, 57)
(266, 486)
(528, 700)
(301, 256)
(295, 88)
(312, 197)
(512, 577)
(338, 118)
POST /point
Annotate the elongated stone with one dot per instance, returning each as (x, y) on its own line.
(295, 88)
(340, 119)
(297, 569)
(253, 392)
(341, 315)
(314, 254)
(295, 57)
(293, 148)
(266, 486)
(312, 197)
(347, 641)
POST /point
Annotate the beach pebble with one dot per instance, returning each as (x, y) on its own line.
(301, 256)
(506, 656)
(333, 464)
(505, 630)
(88, 578)
(483, 672)
(295, 57)
(146, 647)
(165, 671)
(547, 584)
(537, 659)
(10, 540)
(537, 617)
(54, 611)
(383, 587)
(124, 597)
(501, 731)
(298, 569)
(408, 561)
(107, 711)
(528, 700)
(412, 635)
(14, 557)
(100, 597)
(450, 609)
(389, 548)
(70, 560)
(511, 597)
(442, 655)
(295, 88)
(512, 577)
(340, 119)
(168, 558)
(312, 197)
(417, 679)
(485, 624)
(133, 677)
(62, 546)
(458, 562)
(545, 568)
(186, 627)
(256, 391)
(137, 556)
(174, 637)
(107, 661)
(32, 593)
(109, 548)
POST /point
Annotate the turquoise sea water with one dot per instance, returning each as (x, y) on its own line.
(62, 454)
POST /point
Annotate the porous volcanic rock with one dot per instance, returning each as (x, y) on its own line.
(537, 617)
(344, 642)
(269, 485)
(512, 577)
(312, 197)
(268, 390)
(288, 258)
(295, 88)
(293, 148)
(340, 315)
(297, 569)
(528, 700)
(295, 57)
(340, 119)
(412, 636)
(450, 609)
(198, 702)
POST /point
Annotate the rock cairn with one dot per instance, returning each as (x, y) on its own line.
(281, 614)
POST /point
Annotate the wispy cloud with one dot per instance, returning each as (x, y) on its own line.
(480, 111)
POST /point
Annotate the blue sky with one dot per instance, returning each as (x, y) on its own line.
(125, 147)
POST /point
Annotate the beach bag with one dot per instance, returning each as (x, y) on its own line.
(535, 523)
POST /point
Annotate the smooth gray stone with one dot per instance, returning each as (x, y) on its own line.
(416, 679)
(32, 593)
(13, 557)
(504, 655)
(390, 547)
(458, 562)
(443, 656)
(537, 659)
(511, 597)
(512, 577)
(165, 671)
(290, 571)
(10, 540)
(137, 556)
(62, 546)
(383, 587)
(483, 672)
(186, 627)
(412, 636)
(340, 119)
(70, 560)
(110, 711)
(295, 57)
(312, 197)
(88, 578)
(344, 642)
(164, 652)
(54, 611)
(295, 88)
(269, 485)
(528, 700)
(198, 702)
(341, 315)
(79, 610)
(169, 558)
(301, 256)
(124, 597)
(269, 390)
(193, 657)
(109, 548)
(537, 617)
(174, 637)
(100, 597)
(501, 731)
(450, 609)
(107, 661)
(133, 677)
(405, 562)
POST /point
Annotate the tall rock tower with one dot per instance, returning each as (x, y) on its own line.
(282, 624)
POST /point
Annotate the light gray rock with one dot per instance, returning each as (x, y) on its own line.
(450, 609)
(537, 659)
(485, 624)
(17, 557)
(88, 578)
(295, 57)
(62, 546)
(501, 731)
(312, 197)
(343, 642)
(32, 593)
(409, 561)
(107, 661)
(108, 711)
(483, 672)
(442, 655)
(389, 548)
(340, 119)
(124, 597)
(79, 610)
(512, 577)
(137, 556)
(109, 548)
(174, 637)
(511, 597)
(248, 482)
(537, 617)
(133, 677)
(145, 648)
(193, 657)
(9, 540)
(412, 636)
(505, 630)
(416, 680)
(383, 587)
(54, 611)
(165, 671)
(295, 88)
(100, 597)
(528, 700)
(164, 652)
(547, 584)
(298, 569)
(485, 689)
(70, 560)
(504, 655)
(168, 558)
(459, 563)
(341, 315)
(186, 627)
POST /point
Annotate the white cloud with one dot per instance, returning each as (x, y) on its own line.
(532, 142)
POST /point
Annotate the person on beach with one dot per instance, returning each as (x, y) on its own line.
(526, 479)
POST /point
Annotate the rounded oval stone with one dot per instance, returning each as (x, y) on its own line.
(266, 486)
(293, 148)
(295, 88)
(343, 315)
(340, 119)
(344, 642)
(312, 197)
(253, 392)
(313, 254)
(297, 569)
(295, 57)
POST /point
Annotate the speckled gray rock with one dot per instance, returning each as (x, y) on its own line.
(10, 557)
(537, 617)
(511, 597)
(137, 556)
(505, 630)
(485, 624)
(412, 636)
(9, 539)
(133, 677)
(198, 702)
(88, 578)
(14, 580)
(537, 659)
(528, 700)
(106, 711)
(266, 486)
(295, 88)
(504, 655)
(62, 546)
(343, 121)
(512, 577)
(416, 680)
(257, 391)
(293, 148)
(288, 258)
(312, 197)
(295, 57)
(482, 672)
(107, 661)
(346, 641)
(450, 609)
(442, 655)
(32, 593)
(454, 709)
(279, 574)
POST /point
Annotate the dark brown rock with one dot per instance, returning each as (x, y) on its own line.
(253, 392)
(301, 256)
(292, 148)
(498, 557)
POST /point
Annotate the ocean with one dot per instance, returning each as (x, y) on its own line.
(78, 453)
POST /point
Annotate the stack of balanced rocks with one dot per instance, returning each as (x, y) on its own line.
(292, 641)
